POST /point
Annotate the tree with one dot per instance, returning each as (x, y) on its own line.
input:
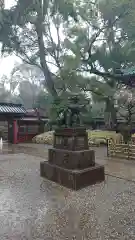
(121, 15)
(6, 93)
(95, 43)
(28, 80)
(126, 105)
(126, 112)
(44, 102)
(25, 30)
(89, 49)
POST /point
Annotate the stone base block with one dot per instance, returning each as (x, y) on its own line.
(71, 159)
(73, 139)
(73, 179)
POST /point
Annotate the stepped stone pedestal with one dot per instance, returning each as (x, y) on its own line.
(70, 162)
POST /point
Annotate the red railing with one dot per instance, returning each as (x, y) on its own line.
(26, 137)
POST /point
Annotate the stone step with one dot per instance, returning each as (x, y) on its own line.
(73, 179)
(71, 159)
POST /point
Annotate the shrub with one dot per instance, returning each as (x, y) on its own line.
(95, 138)
(46, 138)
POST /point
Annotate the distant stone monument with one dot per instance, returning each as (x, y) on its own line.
(70, 162)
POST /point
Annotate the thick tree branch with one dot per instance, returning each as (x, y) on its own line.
(94, 91)
(39, 31)
(93, 70)
(56, 54)
(120, 77)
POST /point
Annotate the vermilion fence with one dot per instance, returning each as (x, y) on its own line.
(26, 137)
(26, 133)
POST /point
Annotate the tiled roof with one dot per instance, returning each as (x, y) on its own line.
(12, 108)
(33, 119)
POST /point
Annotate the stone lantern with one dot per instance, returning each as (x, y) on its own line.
(70, 161)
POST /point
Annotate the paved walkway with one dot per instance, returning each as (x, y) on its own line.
(32, 208)
(120, 168)
(116, 167)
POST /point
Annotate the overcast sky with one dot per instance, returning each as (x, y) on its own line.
(9, 3)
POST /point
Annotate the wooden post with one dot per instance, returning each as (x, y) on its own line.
(107, 147)
(10, 131)
(15, 132)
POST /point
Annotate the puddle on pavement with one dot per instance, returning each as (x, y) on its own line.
(7, 148)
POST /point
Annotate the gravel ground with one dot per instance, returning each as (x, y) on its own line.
(32, 208)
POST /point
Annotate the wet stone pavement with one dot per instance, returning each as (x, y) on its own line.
(120, 168)
(32, 208)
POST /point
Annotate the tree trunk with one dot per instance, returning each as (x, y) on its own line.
(42, 54)
(110, 115)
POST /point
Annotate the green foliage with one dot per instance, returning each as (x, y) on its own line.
(98, 109)
(65, 8)
(26, 31)
(126, 132)
(98, 39)
(57, 106)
